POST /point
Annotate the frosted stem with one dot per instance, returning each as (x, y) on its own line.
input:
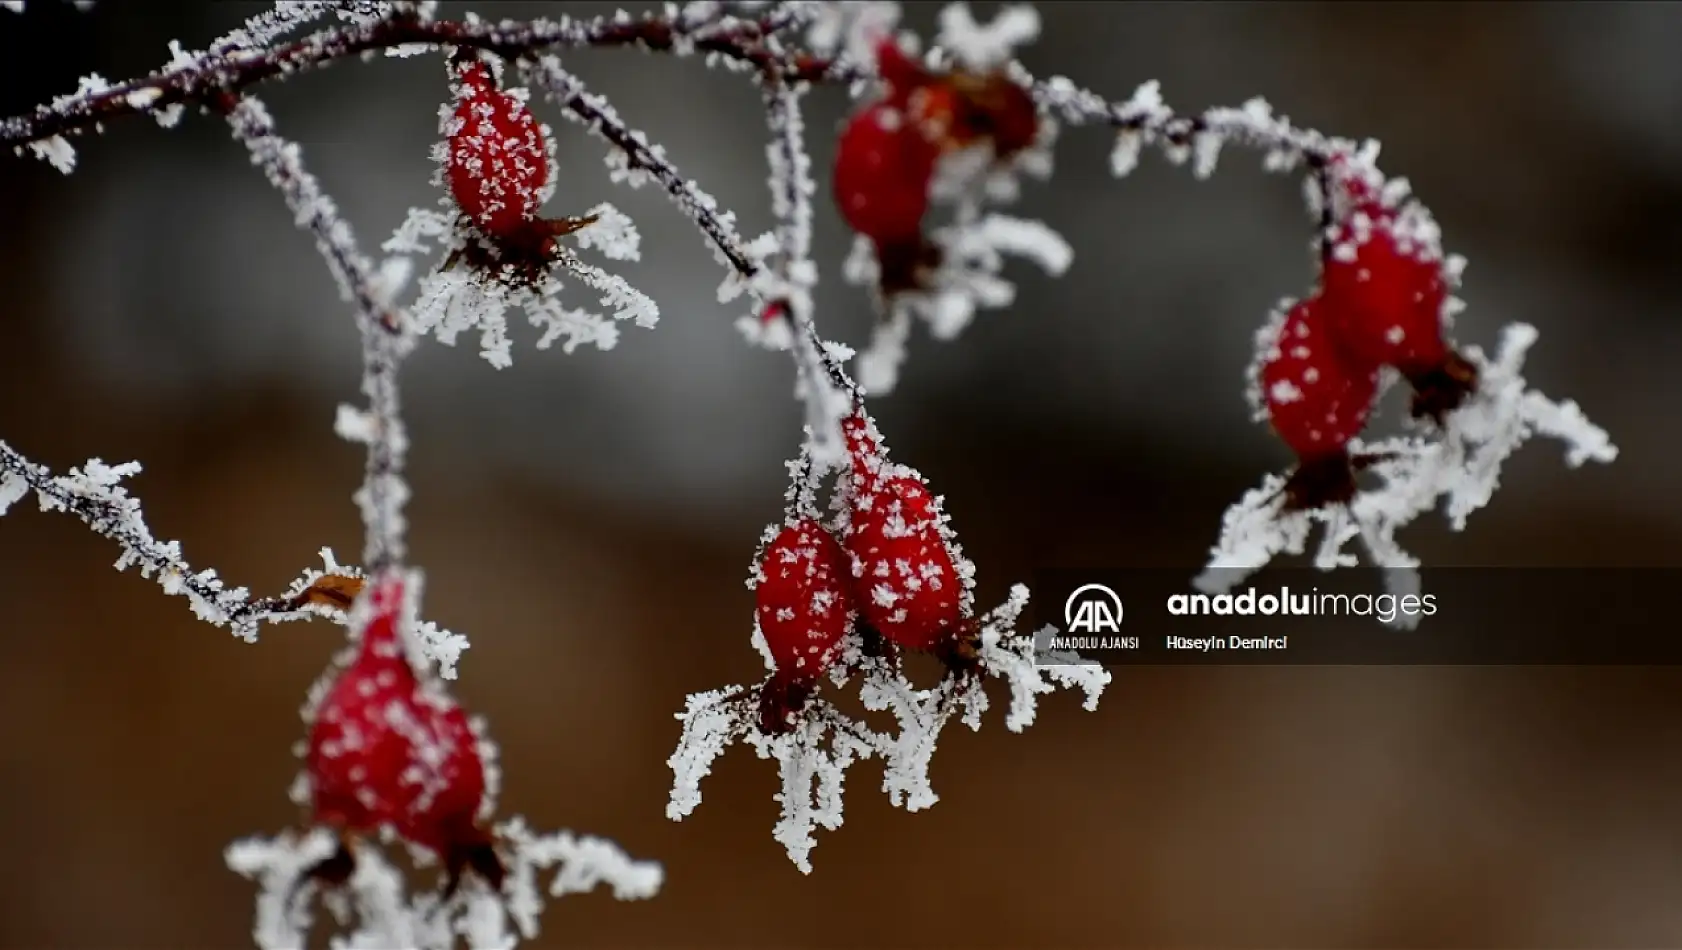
(93, 495)
(384, 342)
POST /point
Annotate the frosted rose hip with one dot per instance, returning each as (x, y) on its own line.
(498, 161)
(803, 600)
(1317, 398)
(388, 749)
(883, 168)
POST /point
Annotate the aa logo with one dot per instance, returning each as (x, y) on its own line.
(1092, 608)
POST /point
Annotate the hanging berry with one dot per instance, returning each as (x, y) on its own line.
(498, 159)
(905, 576)
(883, 169)
(1384, 294)
(1385, 291)
(498, 164)
(389, 750)
(1318, 399)
(804, 607)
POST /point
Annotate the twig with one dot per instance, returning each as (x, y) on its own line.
(384, 341)
(1144, 115)
(92, 494)
(822, 375)
(201, 79)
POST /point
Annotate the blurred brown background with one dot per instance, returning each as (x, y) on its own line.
(588, 520)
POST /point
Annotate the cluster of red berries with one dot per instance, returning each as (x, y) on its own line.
(1380, 304)
(889, 570)
(389, 750)
(498, 166)
(885, 161)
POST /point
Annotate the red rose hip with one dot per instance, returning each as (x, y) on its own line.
(1317, 397)
(389, 750)
(497, 163)
(883, 168)
(802, 599)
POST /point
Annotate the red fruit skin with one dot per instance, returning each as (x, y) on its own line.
(864, 446)
(1383, 297)
(353, 757)
(498, 162)
(901, 74)
(803, 600)
(385, 749)
(1317, 398)
(1012, 116)
(905, 580)
(883, 168)
(445, 782)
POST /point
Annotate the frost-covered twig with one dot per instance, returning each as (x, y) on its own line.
(829, 393)
(1144, 119)
(384, 340)
(190, 79)
(287, 16)
(642, 157)
(643, 160)
(93, 494)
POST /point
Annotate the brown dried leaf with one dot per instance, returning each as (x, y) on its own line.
(331, 590)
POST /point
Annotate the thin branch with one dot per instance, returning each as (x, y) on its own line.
(202, 79)
(822, 376)
(599, 116)
(94, 495)
(1149, 120)
(384, 341)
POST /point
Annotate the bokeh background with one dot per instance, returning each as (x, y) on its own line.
(588, 520)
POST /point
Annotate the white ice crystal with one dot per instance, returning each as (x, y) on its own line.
(387, 914)
(452, 301)
(851, 28)
(815, 754)
(57, 152)
(982, 48)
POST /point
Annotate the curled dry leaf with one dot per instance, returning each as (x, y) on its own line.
(337, 591)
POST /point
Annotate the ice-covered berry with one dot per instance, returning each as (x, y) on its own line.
(497, 163)
(803, 599)
(904, 573)
(905, 578)
(883, 169)
(387, 749)
(1317, 397)
(1384, 293)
